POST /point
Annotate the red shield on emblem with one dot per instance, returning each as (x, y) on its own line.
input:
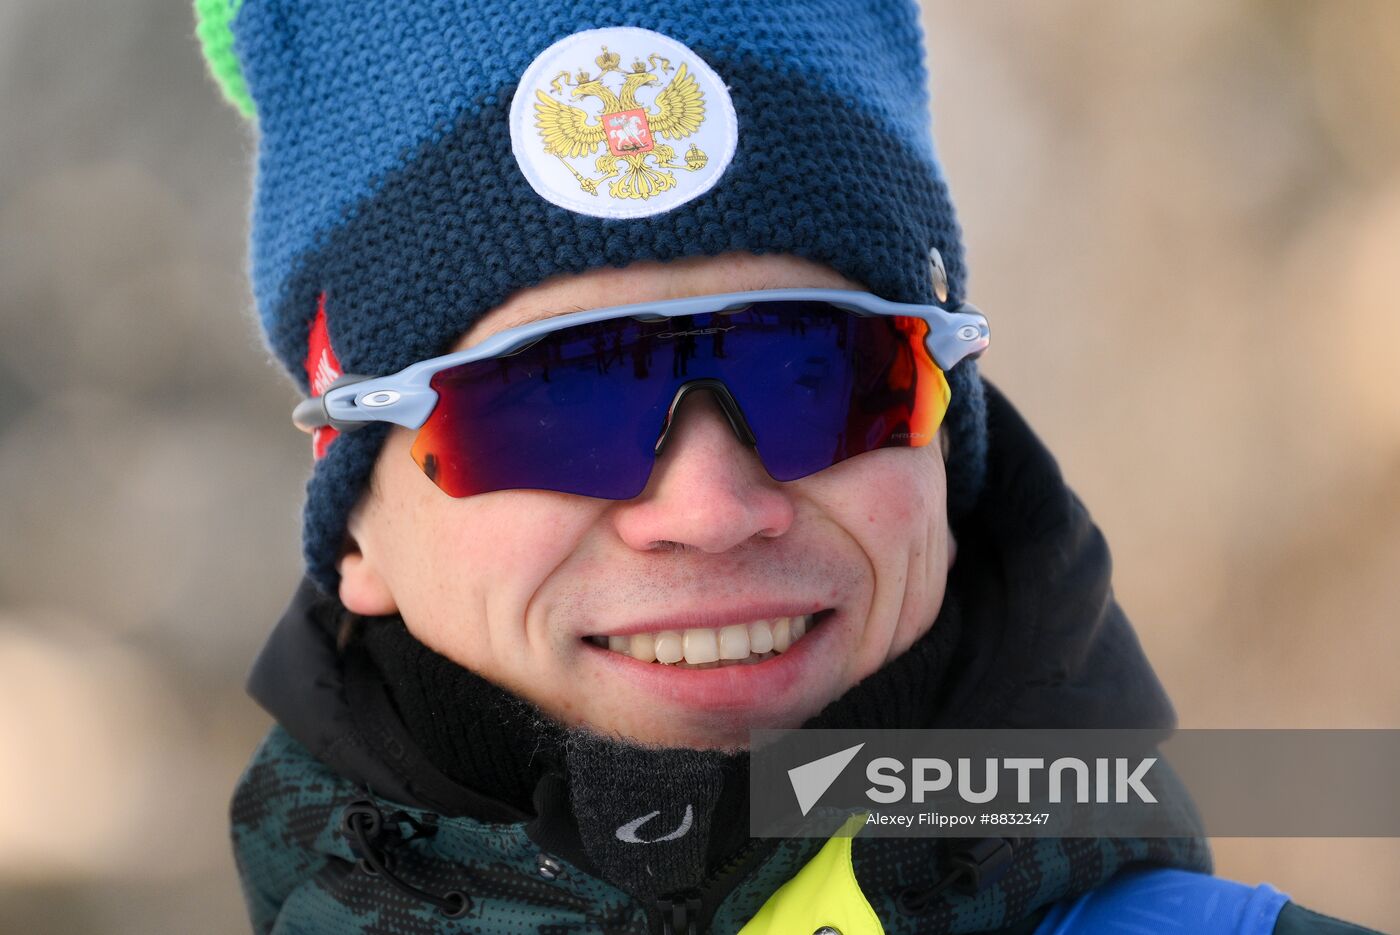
(628, 132)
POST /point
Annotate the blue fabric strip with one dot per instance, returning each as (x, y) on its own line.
(1160, 902)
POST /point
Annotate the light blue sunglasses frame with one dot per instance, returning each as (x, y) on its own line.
(405, 398)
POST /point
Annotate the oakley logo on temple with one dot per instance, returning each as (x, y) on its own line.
(381, 398)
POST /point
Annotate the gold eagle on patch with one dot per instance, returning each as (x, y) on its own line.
(636, 162)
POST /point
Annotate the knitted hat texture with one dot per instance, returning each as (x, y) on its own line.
(391, 210)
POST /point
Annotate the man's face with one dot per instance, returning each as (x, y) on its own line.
(520, 585)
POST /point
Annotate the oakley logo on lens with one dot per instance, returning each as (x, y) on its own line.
(697, 331)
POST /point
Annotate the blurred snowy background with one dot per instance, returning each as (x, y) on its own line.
(1183, 218)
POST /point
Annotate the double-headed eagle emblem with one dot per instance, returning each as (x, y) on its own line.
(628, 127)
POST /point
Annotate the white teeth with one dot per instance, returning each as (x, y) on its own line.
(734, 642)
(701, 648)
(798, 628)
(782, 635)
(751, 660)
(642, 647)
(760, 637)
(669, 648)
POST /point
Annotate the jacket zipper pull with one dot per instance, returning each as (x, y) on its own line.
(679, 913)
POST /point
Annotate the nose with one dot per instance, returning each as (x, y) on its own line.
(707, 490)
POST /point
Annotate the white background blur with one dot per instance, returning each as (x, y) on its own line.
(1183, 219)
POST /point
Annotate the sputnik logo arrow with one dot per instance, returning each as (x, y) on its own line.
(811, 780)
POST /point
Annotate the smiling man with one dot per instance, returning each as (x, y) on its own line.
(716, 599)
(645, 412)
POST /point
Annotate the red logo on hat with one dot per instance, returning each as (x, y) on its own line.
(629, 132)
(322, 369)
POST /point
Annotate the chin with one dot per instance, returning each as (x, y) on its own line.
(708, 730)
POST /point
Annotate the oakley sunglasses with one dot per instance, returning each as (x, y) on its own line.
(583, 403)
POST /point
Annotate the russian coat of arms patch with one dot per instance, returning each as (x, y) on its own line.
(605, 142)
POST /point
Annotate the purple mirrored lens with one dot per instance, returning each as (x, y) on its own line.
(581, 410)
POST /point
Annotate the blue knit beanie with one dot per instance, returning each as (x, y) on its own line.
(419, 161)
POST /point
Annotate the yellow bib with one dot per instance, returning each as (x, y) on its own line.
(823, 894)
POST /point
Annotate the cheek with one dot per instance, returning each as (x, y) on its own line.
(895, 507)
(508, 541)
(890, 500)
(471, 565)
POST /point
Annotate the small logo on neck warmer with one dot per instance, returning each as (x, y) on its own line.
(628, 833)
(629, 140)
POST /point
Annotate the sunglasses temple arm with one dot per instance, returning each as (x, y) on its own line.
(310, 414)
(962, 333)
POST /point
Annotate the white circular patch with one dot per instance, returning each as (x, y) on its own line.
(621, 123)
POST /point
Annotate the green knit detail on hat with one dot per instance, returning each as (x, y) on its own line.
(213, 19)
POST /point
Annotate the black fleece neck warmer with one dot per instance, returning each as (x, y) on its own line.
(488, 739)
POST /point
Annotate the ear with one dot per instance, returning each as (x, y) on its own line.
(363, 589)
